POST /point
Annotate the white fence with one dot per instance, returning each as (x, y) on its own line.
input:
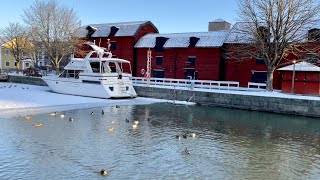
(257, 85)
(190, 84)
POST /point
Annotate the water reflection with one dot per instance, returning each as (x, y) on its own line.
(230, 144)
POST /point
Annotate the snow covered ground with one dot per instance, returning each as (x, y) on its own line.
(22, 99)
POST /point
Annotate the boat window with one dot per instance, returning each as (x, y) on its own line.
(77, 72)
(95, 67)
(105, 68)
(63, 74)
(70, 74)
(125, 67)
(112, 66)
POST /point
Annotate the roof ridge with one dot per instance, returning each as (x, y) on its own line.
(120, 23)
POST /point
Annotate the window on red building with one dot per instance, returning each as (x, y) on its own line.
(191, 61)
(113, 45)
(158, 73)
(260, 61)
(159, 60)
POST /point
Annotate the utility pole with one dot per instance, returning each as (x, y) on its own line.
(293, 74)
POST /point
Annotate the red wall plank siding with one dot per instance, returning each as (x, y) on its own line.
(304, 82)
(174, 62)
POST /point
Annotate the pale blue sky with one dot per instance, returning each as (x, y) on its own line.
(169, 16)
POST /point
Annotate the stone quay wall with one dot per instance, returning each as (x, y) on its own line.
(257, 103)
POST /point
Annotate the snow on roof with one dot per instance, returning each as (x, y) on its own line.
(301, 66)
(240, 32)
(103, 30)
(219, 20)
(181, 40)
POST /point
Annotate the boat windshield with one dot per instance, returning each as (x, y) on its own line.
(69, 73)
(115, 67)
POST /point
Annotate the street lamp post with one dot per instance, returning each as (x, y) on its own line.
(293, 75)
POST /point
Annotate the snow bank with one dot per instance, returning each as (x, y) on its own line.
(22, 99)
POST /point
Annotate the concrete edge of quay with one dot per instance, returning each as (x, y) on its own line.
(279, 105)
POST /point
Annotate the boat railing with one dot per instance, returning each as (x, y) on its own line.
(190, 84)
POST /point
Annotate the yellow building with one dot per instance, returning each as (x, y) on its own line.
(7, 60)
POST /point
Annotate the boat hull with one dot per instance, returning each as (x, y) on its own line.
(118, 89)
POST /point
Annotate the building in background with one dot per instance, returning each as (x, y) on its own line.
(244, 70)
(300, 78)
(184, 55)
(7, 60)
(123, 36)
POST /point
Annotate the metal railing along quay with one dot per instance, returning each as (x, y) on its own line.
(190, 84)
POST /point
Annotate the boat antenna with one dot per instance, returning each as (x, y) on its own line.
(100, 43)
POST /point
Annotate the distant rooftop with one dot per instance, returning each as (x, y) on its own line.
(239, 33)
(103, 30)
(301, 66)
(219, 20)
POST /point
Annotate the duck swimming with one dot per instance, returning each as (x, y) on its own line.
(53, 114)
(37, 125)
(28, 117)
(186, 151)
(104, 172)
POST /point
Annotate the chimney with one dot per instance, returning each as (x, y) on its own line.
(218, 25)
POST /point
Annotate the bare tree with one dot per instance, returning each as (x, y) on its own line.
(53, 26)
(273, 29)
(16, 37)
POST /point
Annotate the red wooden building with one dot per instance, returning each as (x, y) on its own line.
(123, 36)
(250, 69)
(306, 78)
(182, 55)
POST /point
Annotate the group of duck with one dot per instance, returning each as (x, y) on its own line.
(185, 136)
(13, 86)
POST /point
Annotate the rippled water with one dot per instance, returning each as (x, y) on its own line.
(229, 144)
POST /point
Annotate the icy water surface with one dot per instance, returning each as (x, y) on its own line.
(229, 144)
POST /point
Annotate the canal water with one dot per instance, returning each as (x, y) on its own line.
(228, 144)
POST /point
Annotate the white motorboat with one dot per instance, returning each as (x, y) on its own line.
(97, 75)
